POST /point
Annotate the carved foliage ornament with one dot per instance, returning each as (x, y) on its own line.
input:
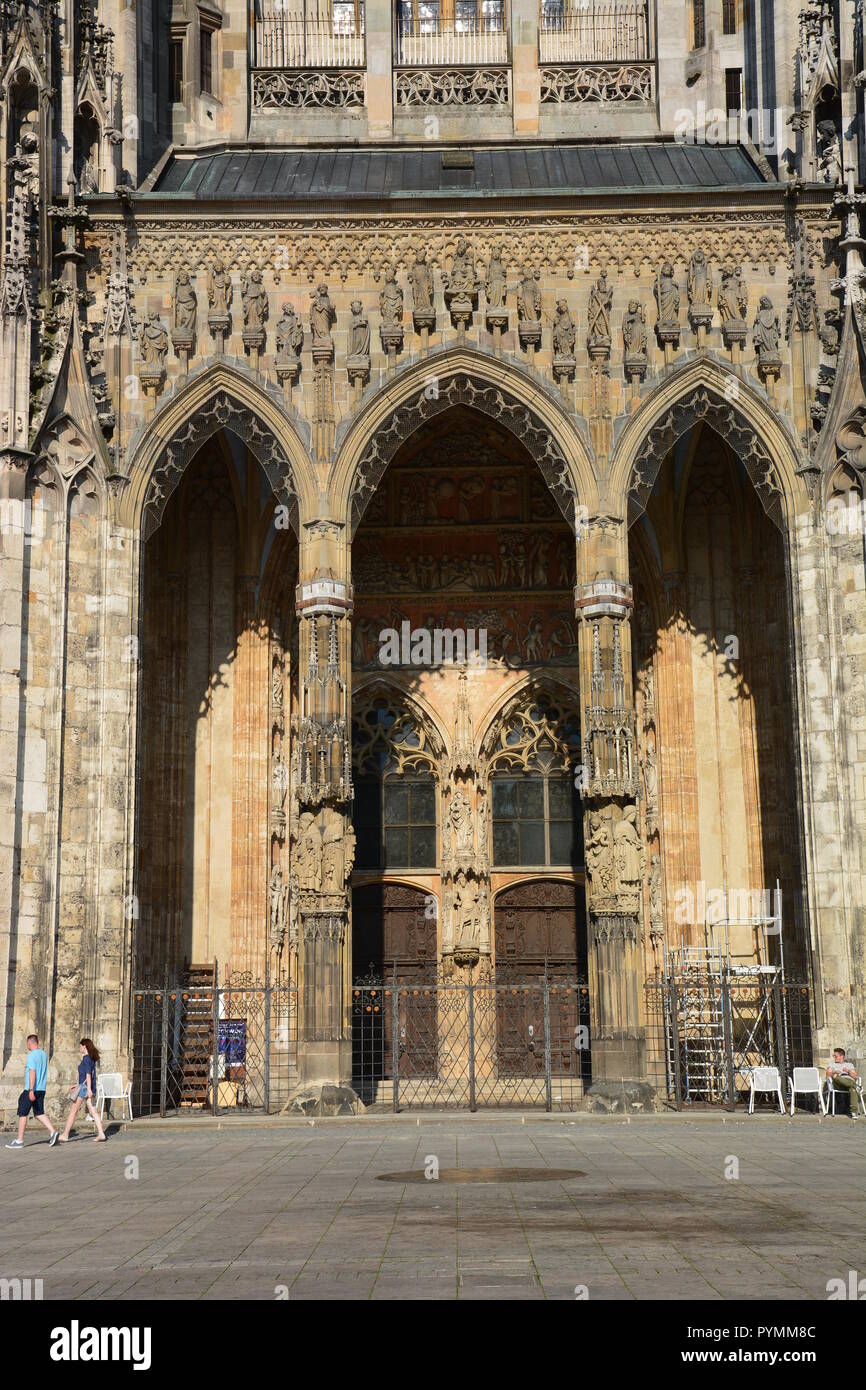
(220, 413)
(341, 249)
(460, 390)
(731, 426)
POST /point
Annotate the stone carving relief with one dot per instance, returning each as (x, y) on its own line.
(667, 298)
(634, 340)
(600, 304)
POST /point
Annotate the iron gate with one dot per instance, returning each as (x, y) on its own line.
(253, 1067)
(466, 1046)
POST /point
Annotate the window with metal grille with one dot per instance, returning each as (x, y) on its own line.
(699, 20)
(536, 820)
(175, 70)
(733, 91)
(395, 822)
(206, 54)
(729, 16)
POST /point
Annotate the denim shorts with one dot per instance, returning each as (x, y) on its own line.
(25, 1104)
(82, 1093)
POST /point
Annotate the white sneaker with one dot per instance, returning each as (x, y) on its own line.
(16, 1144)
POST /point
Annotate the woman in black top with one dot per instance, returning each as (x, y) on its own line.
(85, 1090)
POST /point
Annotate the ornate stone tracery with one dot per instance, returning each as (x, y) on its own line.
(461, 390)
(726, 420)
(220, 413)
(452, 87)
(630, 82)
(281, 89)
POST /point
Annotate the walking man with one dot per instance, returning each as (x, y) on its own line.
(33, 1095)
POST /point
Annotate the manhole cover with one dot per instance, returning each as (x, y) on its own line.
(485, 1175)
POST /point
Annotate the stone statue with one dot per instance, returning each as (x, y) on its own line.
(634, 333)
(219, 290)
(460, 816)
(278, 893)
(494, 285)
(359, 331)
(308, 854)
(421, 280)
(599, 856)
(733, 300)
(185, 305)
(699, 282)
(277, 687)
(655, 887)
(528, 298)
(651, 783)
(462, 283)
(289, 335)
(667, 295)
(338, 852)
(255, 301)
(153, 342)
(830, 161)
(766, 331)
(629, 854)
(564, 332)
(391, 301)
(467, 913)
(322, 317)
(600, 305)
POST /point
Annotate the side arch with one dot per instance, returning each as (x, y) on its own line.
(220, 397)
(462, 376)
(708, 390)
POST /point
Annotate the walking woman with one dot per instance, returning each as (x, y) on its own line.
(85, 1090)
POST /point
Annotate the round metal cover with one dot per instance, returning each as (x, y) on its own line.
(485, 1175)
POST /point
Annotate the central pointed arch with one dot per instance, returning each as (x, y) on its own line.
(533, 412)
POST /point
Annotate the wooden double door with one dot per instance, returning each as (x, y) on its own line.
(540, 933)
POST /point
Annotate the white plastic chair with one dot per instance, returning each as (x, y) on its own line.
(109, 1086)
(853, 1096)
(765, 1079)
(806, 1081)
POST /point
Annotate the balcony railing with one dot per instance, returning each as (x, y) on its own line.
(290, 41)
(594, 31)
(434, 43)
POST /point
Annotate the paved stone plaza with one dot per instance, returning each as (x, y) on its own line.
(237, 1211)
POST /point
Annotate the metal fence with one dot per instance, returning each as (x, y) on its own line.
(254, 1066)
(467, 1046)
(595, 31)
(705, 1034)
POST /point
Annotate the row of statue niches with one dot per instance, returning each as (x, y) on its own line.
(462, 285)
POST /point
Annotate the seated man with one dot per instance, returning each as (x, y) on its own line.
(844, 1078)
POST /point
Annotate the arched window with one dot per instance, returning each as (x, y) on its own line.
(394, 812)
(536, 809)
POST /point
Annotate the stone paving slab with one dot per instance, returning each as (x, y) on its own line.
(238, 1213)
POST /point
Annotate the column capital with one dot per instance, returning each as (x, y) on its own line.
(323, 595)
(603, 598)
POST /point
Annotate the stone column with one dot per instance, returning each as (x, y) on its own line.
(380, 81)
(322, 839)
(615, 854)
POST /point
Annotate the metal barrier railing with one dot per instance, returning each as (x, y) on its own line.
(595, 31)
(707, 1031)
(467, 1046)
(253, 1067)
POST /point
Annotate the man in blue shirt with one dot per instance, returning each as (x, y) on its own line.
(33, 1095)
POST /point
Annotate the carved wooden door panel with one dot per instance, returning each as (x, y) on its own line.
(394, 938)
(537, 923)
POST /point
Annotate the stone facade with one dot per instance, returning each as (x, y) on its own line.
(216, 493)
